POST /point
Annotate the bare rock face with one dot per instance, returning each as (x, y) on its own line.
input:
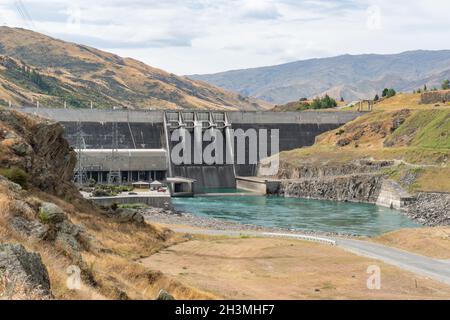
(431, 209)
(26, 266)
(71, 237)
(355, 188)
(127, 216)
(38, 147)
(52, 225)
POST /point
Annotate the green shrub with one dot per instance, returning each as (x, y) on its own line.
(325, 102)
(16, 175)
(43, 216)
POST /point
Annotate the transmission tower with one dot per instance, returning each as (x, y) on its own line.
(115, 176)
(80, 177)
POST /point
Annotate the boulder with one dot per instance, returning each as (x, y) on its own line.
(164, 295)
(9, 184)
(51, 213)
(27, 228)
(21, 149)
(73, 238)
(25, 266)
(128, 215)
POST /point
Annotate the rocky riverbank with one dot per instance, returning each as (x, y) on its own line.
(430, 209)
(173, 217)
(352, 188)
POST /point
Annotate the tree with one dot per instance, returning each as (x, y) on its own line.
(325, 102)
(342, 99)
(446, 85)
(376, 98)
(425, 89)
(389, 92)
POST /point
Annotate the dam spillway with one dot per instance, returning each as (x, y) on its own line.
(144, 145)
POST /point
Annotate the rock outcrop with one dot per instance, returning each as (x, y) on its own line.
(354, 188)
(38, 147)
(24, 266)
(431, 209)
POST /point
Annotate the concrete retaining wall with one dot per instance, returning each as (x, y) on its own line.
(392, 195)
(153, 201)
(435, 97)
(251, 185)
(258, 185)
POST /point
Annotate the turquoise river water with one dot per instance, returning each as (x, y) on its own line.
(298, 214)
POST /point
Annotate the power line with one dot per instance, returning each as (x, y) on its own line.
(23, 12)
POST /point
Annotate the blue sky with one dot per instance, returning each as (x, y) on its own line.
(204, 36)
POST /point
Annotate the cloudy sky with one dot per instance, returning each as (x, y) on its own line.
(205, 36)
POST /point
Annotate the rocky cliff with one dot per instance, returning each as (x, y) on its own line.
(55, 244)
(37, 147)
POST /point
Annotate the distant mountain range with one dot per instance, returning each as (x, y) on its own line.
(349, 76)
(35, 67)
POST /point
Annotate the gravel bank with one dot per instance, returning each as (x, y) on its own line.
(158, 215)
(430, 209)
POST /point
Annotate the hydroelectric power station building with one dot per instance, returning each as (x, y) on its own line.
(136, 145)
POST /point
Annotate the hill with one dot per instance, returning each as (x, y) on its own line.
(415, 136)
(349, 76)
(35, 67)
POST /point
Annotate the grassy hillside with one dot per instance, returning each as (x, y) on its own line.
(62, 71)
(416, 136)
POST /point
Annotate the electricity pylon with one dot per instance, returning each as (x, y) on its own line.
(115, 176)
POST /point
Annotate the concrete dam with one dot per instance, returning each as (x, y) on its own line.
(137, 145)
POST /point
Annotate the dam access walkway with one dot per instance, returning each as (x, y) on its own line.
(435, 269)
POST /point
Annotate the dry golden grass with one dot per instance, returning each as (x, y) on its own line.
(12, 288)
(110, 267)
(267, 268)
(125, 81)
(409, 101)
(403, 100)
(432, 242)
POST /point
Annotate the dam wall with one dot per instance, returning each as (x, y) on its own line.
(147, 129)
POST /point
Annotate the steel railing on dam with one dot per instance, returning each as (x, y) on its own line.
(157, 116)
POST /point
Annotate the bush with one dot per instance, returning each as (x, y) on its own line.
(323, 103)
(388, 93)
(43, 216)
(16, 175)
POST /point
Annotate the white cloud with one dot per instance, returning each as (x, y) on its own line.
(200, 36)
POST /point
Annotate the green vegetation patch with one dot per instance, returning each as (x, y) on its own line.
(110, 190)
(16, 175)
(427, 129)
(133, 206)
